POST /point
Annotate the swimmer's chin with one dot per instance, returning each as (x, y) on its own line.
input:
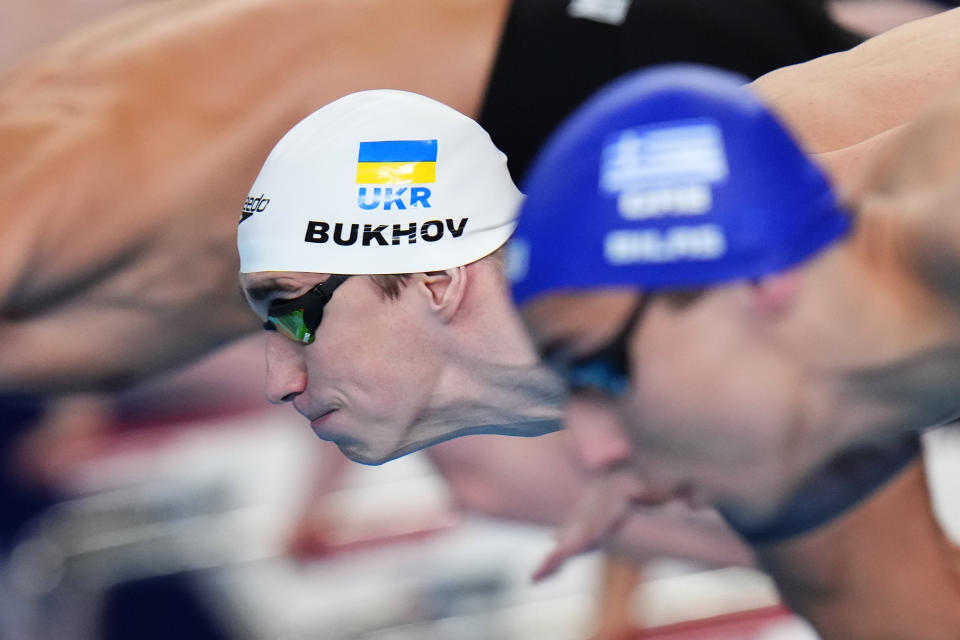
(357, 453)
(354, 450)
(364, 457)
(361, 452)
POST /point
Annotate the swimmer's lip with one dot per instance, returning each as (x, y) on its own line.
(317, 422)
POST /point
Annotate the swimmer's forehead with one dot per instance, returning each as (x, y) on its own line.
(263, 285)
(569, 324)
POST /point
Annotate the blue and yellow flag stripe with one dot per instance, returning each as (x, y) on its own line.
(397, 162)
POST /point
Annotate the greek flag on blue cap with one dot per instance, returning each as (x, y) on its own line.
(673, 177)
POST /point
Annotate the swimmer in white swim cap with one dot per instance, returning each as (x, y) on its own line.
(369, 242)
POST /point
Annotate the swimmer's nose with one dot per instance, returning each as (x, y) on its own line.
(286, 370)
(597, 432)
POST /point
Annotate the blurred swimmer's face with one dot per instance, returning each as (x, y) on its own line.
(692, 420)
(383, 377)
(590, 341)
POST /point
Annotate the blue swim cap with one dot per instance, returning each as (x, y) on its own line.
(672, 177)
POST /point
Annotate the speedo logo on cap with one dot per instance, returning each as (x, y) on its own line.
(253, 205)
(396, 162)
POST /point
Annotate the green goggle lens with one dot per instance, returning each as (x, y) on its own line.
(293, 326)
(298, 318)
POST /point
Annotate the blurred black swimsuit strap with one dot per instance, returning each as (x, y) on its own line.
(842, 484)
(549, 62)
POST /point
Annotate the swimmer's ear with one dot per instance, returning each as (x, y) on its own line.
(445, 290)
(774, 294)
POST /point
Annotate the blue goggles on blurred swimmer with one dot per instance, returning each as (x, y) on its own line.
(298, 318)
(605, 370)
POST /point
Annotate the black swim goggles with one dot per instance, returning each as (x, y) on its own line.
(605, 370)
(298, 318)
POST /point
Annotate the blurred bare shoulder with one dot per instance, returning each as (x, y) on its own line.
(127, 148)
(844, 98)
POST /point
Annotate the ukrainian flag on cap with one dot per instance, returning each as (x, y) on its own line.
(397, 162)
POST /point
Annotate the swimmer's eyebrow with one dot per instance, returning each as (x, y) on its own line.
(262, 291)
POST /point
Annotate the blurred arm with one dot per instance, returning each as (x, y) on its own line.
(884, 120)
(127, 149)
(537, 480)
(844, 98)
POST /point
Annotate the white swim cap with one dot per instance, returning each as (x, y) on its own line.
(378, 182)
